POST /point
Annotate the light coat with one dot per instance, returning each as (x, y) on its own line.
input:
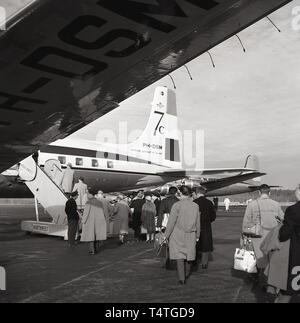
(183, 229)
(93, 222)
(67, 180)
(278, 254)
(82, 190)
(265, 211)
(121, 218)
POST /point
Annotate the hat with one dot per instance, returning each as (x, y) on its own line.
(148, 194)
(155, 193)
(264, 187)
(73, 194)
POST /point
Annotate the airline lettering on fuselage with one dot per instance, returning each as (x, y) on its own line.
(152, 146)
(133, 10)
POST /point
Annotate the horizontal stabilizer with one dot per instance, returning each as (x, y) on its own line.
(223, 182)
(256, 187)
(214, 171)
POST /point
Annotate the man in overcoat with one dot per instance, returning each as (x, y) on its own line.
(207, 216)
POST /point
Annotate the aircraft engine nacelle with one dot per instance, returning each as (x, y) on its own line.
(191, 183)
(164, 190)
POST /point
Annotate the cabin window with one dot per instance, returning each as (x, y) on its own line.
(62, 160)
(95, 163)
(79, 161)
(105, 155)
(110, 164)
(122, 158)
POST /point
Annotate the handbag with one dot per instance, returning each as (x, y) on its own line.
(165, 220)
(244, 258)
(160, 245)
(254, 230)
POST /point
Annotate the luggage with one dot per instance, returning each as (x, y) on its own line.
(244, 257)
(160, 244)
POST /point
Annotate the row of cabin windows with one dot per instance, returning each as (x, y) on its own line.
(79, 162)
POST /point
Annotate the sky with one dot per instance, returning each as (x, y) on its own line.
(249, 103)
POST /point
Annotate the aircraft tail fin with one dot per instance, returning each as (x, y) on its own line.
(252, 162)
(159, 143)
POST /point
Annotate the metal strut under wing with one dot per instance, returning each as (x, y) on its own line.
(49, 195)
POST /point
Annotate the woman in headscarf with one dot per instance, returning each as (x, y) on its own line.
(148, 217)
(183, 231)
(121, 218)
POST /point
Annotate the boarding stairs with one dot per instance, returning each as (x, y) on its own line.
(48, 194)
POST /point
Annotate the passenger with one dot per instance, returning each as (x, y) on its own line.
(291, 230)
(121, 218)
(227, 204)
(137, 205)
(73, 218)
(93, 223)
(68, 179)
(148, 217)
(82, 190)
(183, 231)
(207, 216)
(166, 206)
(156, 199)
(216, 203)
(107, 209)
(265, 214)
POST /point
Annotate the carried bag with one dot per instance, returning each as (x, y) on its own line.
(254, 230)
(244, 258)
(165, 220)
(160, 245)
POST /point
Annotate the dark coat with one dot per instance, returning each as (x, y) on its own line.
(165, 207)
(137, 205)
(148, 216)
(207, 216)
(291, 230)
(71, 210)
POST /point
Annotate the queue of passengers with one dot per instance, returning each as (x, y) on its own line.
(188, 229)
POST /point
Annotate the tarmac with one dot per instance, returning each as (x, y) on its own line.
(42, 269)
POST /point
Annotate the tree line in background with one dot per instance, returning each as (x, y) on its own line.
(279, 195)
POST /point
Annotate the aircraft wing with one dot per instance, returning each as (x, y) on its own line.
(205, 172)
(66, 63)
(223, 182)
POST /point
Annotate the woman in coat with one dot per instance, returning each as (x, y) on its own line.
(291, 231)
(121, 218)
(93, 223)
(183, 231)
(148, 217)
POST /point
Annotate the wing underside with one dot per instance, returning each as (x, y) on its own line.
(66, 63)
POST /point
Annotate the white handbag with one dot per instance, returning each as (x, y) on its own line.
(244, 257)
(245, 260)
(165, 220)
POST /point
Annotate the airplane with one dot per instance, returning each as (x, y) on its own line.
(66, 63)
(154, 159)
